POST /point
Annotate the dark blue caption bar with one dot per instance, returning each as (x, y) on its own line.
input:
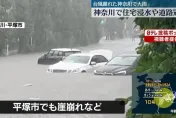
(62, 107)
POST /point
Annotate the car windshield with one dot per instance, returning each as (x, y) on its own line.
(124, 61)
(55, 53)
(77, 59)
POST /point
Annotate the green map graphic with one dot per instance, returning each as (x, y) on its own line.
(167, 100)
(153, 99)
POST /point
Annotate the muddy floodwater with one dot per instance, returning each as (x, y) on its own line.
(22, 79)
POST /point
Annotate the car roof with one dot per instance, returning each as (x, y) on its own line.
(65, 49)
(102, 52)
(83, 54)
(128, 55)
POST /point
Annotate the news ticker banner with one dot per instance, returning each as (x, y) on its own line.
(132, 8)
(82, 107)
(160, 35)
(12, 25)
(133, 3)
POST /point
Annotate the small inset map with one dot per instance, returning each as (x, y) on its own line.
(154, 93)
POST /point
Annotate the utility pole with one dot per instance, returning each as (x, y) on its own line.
(124, 31)
(7, 47)
(31, 41)
(71, 42)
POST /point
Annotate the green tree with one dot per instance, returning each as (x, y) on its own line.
(114, 25)
(116, 28)
(6, 14)
(23, 14)
(49, 24)
(160, 55)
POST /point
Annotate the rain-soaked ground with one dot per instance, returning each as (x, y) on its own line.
(22, 79)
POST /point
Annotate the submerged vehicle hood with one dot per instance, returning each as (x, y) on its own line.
(66, 66)
(111, 68)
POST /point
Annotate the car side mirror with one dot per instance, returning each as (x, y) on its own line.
(93, 63)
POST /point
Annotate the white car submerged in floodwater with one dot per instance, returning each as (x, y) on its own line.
(81, 62)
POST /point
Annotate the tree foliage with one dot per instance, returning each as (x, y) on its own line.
(49, 23)
(53, 23)
(115, 28)
(112, 26)
(156, 57)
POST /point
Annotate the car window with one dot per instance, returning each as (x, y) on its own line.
(50, 53)
(94, 59)
(77, 59)
(77, 52)
(124, 61)
(61, 53)
(101, 59)
(57, 53)
(68, 53)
